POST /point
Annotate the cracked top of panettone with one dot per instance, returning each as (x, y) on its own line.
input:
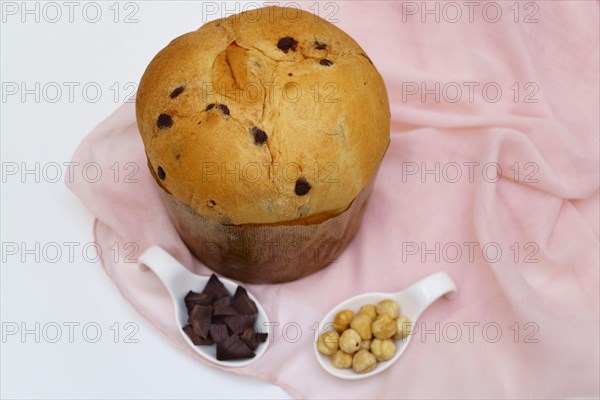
(269, 116)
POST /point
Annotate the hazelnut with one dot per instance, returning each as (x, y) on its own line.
(328, 342)
(389, 307)
(350, 341)
(341, 360)
(370, 310)
(362, 324)
(403, 328)
(365, 344)
(383, 350)
(384, 327)
(363, 361)
(342, 320)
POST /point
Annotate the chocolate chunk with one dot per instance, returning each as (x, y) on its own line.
(238, 323)
(243, 303)
(201, 313)
(224, 310)
(192, 298)
(287, 43)
(161, 173)
(201, 329)
(211, 203)
(221, 307)
(223, 301)
(233, 348)
(259, 135)
(320, 46)
(197, 340)
(164, 121)
(326, 62)
(302, 187)
(224, 109)
(261, 337)
(217, 317)
(249, 338)
(178, 156)
(210, 107)
(215, 288)
(218, 332)
(253, 339)
(189, 331)
(200, 318)
(290, 74)
(177, 92)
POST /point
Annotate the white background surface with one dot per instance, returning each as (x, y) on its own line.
(37, 212)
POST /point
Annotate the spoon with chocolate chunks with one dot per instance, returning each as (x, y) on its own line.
(218, 318)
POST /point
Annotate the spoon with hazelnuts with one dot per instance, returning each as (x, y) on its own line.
(364, 335)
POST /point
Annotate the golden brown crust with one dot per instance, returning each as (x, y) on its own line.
(227, 87)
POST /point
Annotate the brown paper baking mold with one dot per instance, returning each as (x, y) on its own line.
(269, 253)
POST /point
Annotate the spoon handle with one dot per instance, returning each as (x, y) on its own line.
(431, 288)
(172, 274)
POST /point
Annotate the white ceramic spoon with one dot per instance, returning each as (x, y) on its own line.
(179, 281)
(412, 300)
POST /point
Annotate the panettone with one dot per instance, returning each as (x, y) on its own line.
(269, 117)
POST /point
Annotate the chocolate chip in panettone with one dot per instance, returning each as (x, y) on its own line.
(210, 106)
(211, 203)
(320, 46)
(326, 62)
(224, 109)
(302, 187)
(287, 43)
(177, 92)
(161, 173)
(164, 121)
(178, 156)
(259, 135)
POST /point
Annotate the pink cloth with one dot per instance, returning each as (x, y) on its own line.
(547, 309)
